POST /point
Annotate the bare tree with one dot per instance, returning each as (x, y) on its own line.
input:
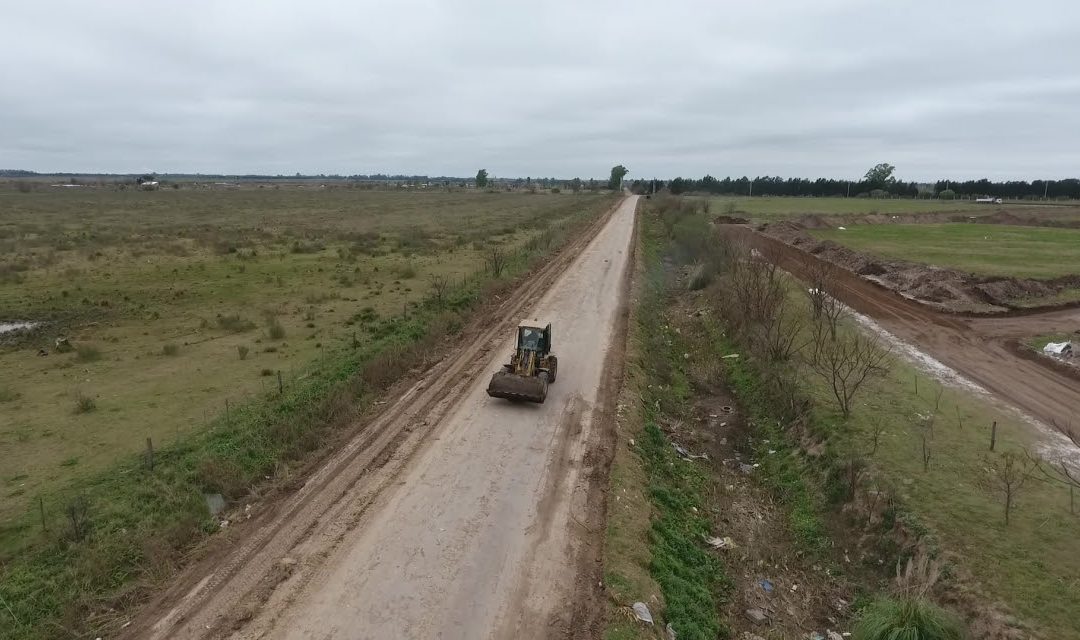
(924, 432)
(439, 286)
(1005, 476)
(497, 261)
(1061, 470)
(820, 275)
(779, 335)
(847, 362)
(876, 430)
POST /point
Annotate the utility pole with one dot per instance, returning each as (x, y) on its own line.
(751, 188)
(848, 189)
(1046, 188)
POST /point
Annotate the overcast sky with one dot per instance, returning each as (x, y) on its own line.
(794, 87)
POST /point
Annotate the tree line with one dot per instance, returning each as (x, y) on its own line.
(866, 187)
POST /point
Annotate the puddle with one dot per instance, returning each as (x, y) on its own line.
(8, 327)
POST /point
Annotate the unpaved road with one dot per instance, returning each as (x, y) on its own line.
(455, 515)
(977, 348)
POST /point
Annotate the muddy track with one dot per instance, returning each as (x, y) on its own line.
(977, 348)
(290, 549)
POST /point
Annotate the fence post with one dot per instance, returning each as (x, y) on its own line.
(149, 453)
(41, 507)
(280, 384)
(993, 435)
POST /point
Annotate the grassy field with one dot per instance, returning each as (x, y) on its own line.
(1030, 564)
(771, 209)
(1001, 250)
(177, 302)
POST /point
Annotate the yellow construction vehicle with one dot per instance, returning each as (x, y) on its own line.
(532, 367)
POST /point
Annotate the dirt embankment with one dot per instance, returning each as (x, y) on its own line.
(941, 288)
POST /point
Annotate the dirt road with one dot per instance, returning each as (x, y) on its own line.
(461, 516)
(977, 348)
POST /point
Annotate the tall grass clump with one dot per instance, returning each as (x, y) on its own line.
(87, 353)
(907, 618)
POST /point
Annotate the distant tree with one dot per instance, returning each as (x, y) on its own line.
(1006, 476)
(575, 185)
(481, 178)
(618, 172)
(881, 176)
(947, 194)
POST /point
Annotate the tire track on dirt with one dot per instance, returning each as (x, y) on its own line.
(225, 589)
(974, 347)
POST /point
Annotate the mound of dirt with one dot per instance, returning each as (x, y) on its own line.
(942, 288)
(730, 220)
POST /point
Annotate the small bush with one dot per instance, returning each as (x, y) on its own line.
(406, 271)
(275, 331)
(84, 403)
(87, 353)
(235, 323)
(170, 350)
(700, 277)
(266, 373)
(242, 351)
(907, 618)
(7, 395)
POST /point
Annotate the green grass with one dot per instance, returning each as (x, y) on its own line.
(999, 250)
(945, 504)
(771, 209)
(657, 524)
(906, 619)
(135, 526)
(1030, 565)
(205, 273)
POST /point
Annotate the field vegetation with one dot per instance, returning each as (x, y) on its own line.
(984, 249)
(897, 466)
(772, 209)
(233, 330)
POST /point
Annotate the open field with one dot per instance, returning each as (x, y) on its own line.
(771, 209)
(997, 250)
(917, 437)
(178, 302)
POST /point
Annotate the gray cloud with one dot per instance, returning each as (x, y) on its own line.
(959, 89)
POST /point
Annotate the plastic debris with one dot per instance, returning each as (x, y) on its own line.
(215, 503)
(832, 635)
(685, 453)
(670, 631)
(641, 611)
(730, 356)
(724, 543)
(767, 585)
(757, 616)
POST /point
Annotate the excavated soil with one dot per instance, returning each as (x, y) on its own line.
(975, 347)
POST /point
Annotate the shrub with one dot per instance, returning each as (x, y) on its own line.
(242, 351)
(275, 331)
(84, 403)
(87, 353)
(7, 395)
(235, 323)
(170, 350)
(266, 373)
(700, 277)
(906, 618)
